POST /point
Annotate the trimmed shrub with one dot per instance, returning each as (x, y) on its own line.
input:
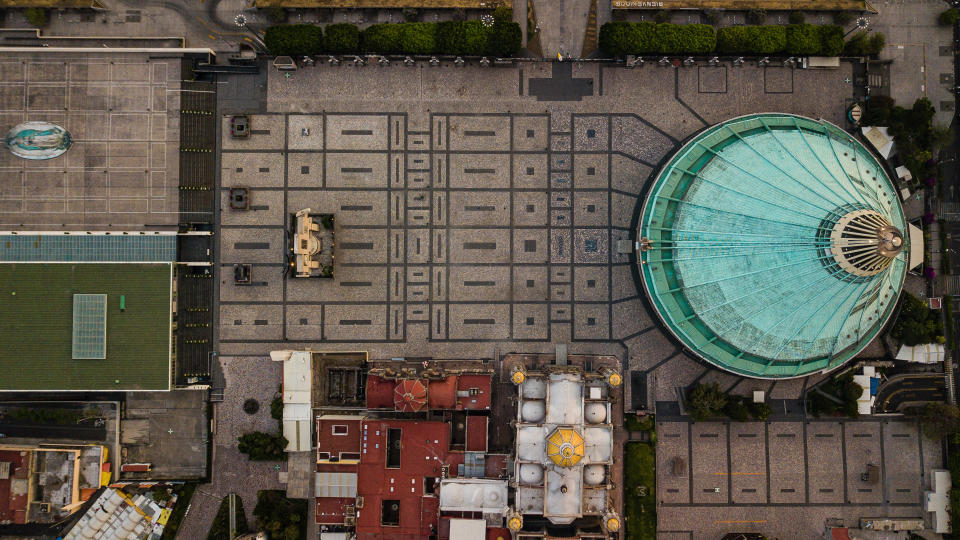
(294, 39)
(451, 37)
(504, 39)
(381, 38)
(475, 37)
(831, 40)
(618, 39)
(803, 39)
(687, 38)
(503, 14)
(342, 38)
(417, 38)
(752, 39)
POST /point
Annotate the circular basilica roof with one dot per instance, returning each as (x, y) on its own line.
(773, 245)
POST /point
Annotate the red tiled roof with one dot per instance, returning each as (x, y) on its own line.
(379, 392)
(495, 465)
(476, 433)
(480, 401)
(330, 510)
(443, 393)
(840, 533)
(13, 507)
(334, 444)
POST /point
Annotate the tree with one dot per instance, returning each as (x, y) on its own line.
(37, 17)
(220, 528)
(938, 420)
(736, 409)
(756, 16)
(342, 38)
(759, 411)
(160, 495)
(662, 16)
(260, 446)
(294, 40)
(451, 37)
(860, 44)
(797, 17)
(279, 516)
(705, 401)
(831, 40)
(417, 38)
(276, 14)
(381, 38)
(917, 323)
(940, 137)
(276, 407)
(948, 17)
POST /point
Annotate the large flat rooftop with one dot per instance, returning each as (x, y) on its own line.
(38, 314)
(122, 110)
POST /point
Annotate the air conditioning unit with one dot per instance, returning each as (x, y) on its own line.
(44, 508)
(359, 501)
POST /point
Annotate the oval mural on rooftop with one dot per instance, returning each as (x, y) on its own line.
(37, 140)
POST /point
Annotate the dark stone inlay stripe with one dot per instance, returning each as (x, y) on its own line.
(479, 283)
(710, 435)
(356, 245)
(260, 131)
(479, 245)
(356, 169)
(260, 207)
(748, 490)
(671, 435)
(673, 490)
(826, 490)
(479, 171)
(907, 435)
(251, 245)
(747, 435)
(479, 208)
(788, 490)
(479, 133)
(903, 490)
(861, 435)
(824, 435)
(356, 322)
(355, 283)
(346, 207)
(479, 321)
(865, 490)
(260, 322)
(786, 435)
(357, 132)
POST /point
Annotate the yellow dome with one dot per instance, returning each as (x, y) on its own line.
(613, 524)
(565, 447)
(515, 523)
(614, 379)
(518, 377)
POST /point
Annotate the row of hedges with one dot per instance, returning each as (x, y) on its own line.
(622, 38)
(502, 39)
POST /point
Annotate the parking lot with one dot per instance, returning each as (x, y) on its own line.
(787, 479)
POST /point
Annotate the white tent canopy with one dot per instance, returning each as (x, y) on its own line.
(927, 353)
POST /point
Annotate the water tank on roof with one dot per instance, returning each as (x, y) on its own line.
(595, 413)
(533, 411)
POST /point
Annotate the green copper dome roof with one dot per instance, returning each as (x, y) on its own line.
(773, 245)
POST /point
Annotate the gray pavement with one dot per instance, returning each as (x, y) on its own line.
(921, 51)
(787, 479)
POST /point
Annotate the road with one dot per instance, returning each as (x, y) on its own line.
(902, 389)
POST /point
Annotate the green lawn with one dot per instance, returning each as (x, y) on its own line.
(641, 512)
(36, 333)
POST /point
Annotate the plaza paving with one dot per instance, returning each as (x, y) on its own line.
(788, 479)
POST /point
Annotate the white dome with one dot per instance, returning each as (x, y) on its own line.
(593, 475)
(595, 413)
(534, 389)
(492, 495)
(533, 411)
(452, 492)
(531, 474)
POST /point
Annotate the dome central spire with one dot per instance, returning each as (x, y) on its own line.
(864, 242)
